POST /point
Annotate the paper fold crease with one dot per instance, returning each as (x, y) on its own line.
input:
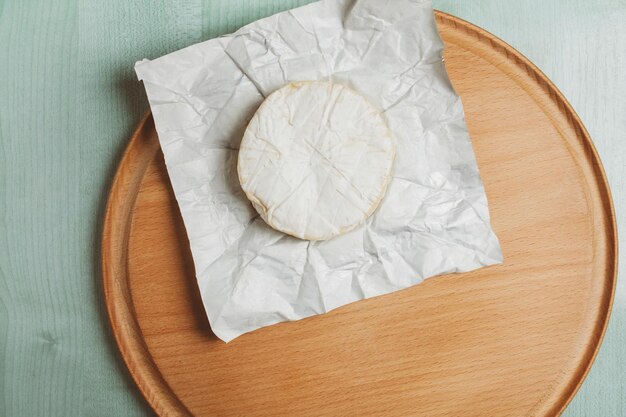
(434, 218)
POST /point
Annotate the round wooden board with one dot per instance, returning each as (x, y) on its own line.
(511, 340)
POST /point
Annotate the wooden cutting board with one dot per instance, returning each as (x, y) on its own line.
(511, 340)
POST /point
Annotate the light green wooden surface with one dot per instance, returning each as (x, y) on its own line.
(68, 103)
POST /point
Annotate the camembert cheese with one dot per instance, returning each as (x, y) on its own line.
(316, 159)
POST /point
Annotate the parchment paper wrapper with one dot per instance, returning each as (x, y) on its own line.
(434, 218)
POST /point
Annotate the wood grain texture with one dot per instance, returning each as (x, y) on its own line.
(67, 106)
(581, 47)
(69, 100)
(40, 313)
(515, 339)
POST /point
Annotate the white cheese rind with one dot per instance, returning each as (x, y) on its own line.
(316, 159)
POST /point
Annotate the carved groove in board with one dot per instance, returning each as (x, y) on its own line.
(172, 357)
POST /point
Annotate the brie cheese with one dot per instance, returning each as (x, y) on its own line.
(316, 159)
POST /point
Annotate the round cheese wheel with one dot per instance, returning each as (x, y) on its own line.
(316, 159)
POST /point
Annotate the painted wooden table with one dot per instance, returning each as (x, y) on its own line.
(68, 103)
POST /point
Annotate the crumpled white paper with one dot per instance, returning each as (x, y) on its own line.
(434, 218)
